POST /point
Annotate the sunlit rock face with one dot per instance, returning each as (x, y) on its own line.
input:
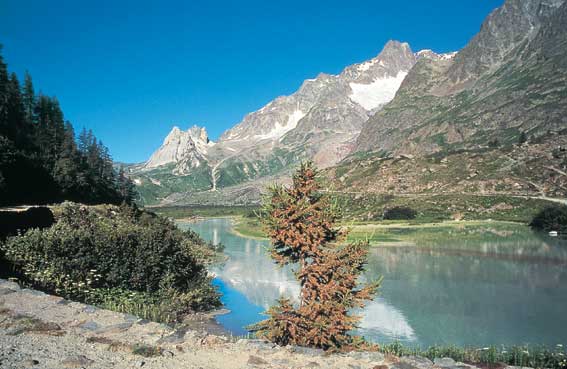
(319, 122)
(322, 119)
(184, 149)
(509, 78)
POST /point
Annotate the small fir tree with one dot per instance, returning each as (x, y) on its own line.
(300, 222)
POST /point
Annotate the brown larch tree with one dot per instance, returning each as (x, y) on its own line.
(301, 224)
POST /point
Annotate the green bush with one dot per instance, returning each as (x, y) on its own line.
(100, 255)
(551, 218)
(399, 213)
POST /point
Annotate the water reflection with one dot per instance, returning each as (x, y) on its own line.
(502, 289)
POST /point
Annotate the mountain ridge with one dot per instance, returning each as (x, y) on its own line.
(320, 121)
(509, 80)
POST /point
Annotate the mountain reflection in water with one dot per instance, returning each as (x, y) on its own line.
(502, 289)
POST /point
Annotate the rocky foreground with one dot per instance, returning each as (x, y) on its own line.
(42, 331)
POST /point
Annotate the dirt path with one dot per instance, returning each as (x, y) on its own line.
(43, 331)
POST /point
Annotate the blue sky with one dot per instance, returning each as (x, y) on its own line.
(130, 70)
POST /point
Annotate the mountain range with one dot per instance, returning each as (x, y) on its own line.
(509, 81)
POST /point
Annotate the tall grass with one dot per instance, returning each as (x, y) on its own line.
(526, 356)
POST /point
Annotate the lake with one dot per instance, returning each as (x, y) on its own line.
(502, 289)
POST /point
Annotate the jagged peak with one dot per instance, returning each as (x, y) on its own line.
(430, 54)
(199, 133)
(394, 46)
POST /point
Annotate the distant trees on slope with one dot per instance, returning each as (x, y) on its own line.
(42, 161)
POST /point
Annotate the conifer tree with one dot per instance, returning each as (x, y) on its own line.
(301, 224)
(28, 98)
(40, 159)
(3, 94)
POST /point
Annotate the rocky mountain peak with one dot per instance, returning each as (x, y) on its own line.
(396, 53)
(185, 149)
(357, 91)
(430, 54)
(199, 134)
(503, 30)
(396, 56)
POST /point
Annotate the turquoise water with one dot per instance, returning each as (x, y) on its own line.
(483, 293)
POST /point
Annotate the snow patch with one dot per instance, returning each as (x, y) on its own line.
(279, 130)
(430, 54)
(379, 92)
(363, 67)
(448, 56)
(425, 52)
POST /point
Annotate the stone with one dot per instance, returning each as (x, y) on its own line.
(140, 364)
(281, 362)
(167, 353)
(256, 360)
(89, 309)
(33, 292)
(312, 364)
(9, 284)
(6, 291)
(445, 362)
(90, 326)
(260, 344)
(115, 328)
(211, 340)
(380, 367)
(131, 318)
(413, 362)
(30, 362)
(178, 336)
(307, 351)
(79, 361)
(367, 355)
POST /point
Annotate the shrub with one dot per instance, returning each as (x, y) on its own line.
(399, 213)
(99, 255)
(12, 222)
(551, 218)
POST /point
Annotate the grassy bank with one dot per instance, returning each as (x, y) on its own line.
(434, 208)
(491, 357)
(186, 212)
(429, 208)
(385, 232)
(499, 217)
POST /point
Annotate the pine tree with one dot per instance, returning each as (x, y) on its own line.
(17, 129)
(40, 158)
(67, 169)
(300, 223)
(28, 98)
(3, 95)
(125, 186)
